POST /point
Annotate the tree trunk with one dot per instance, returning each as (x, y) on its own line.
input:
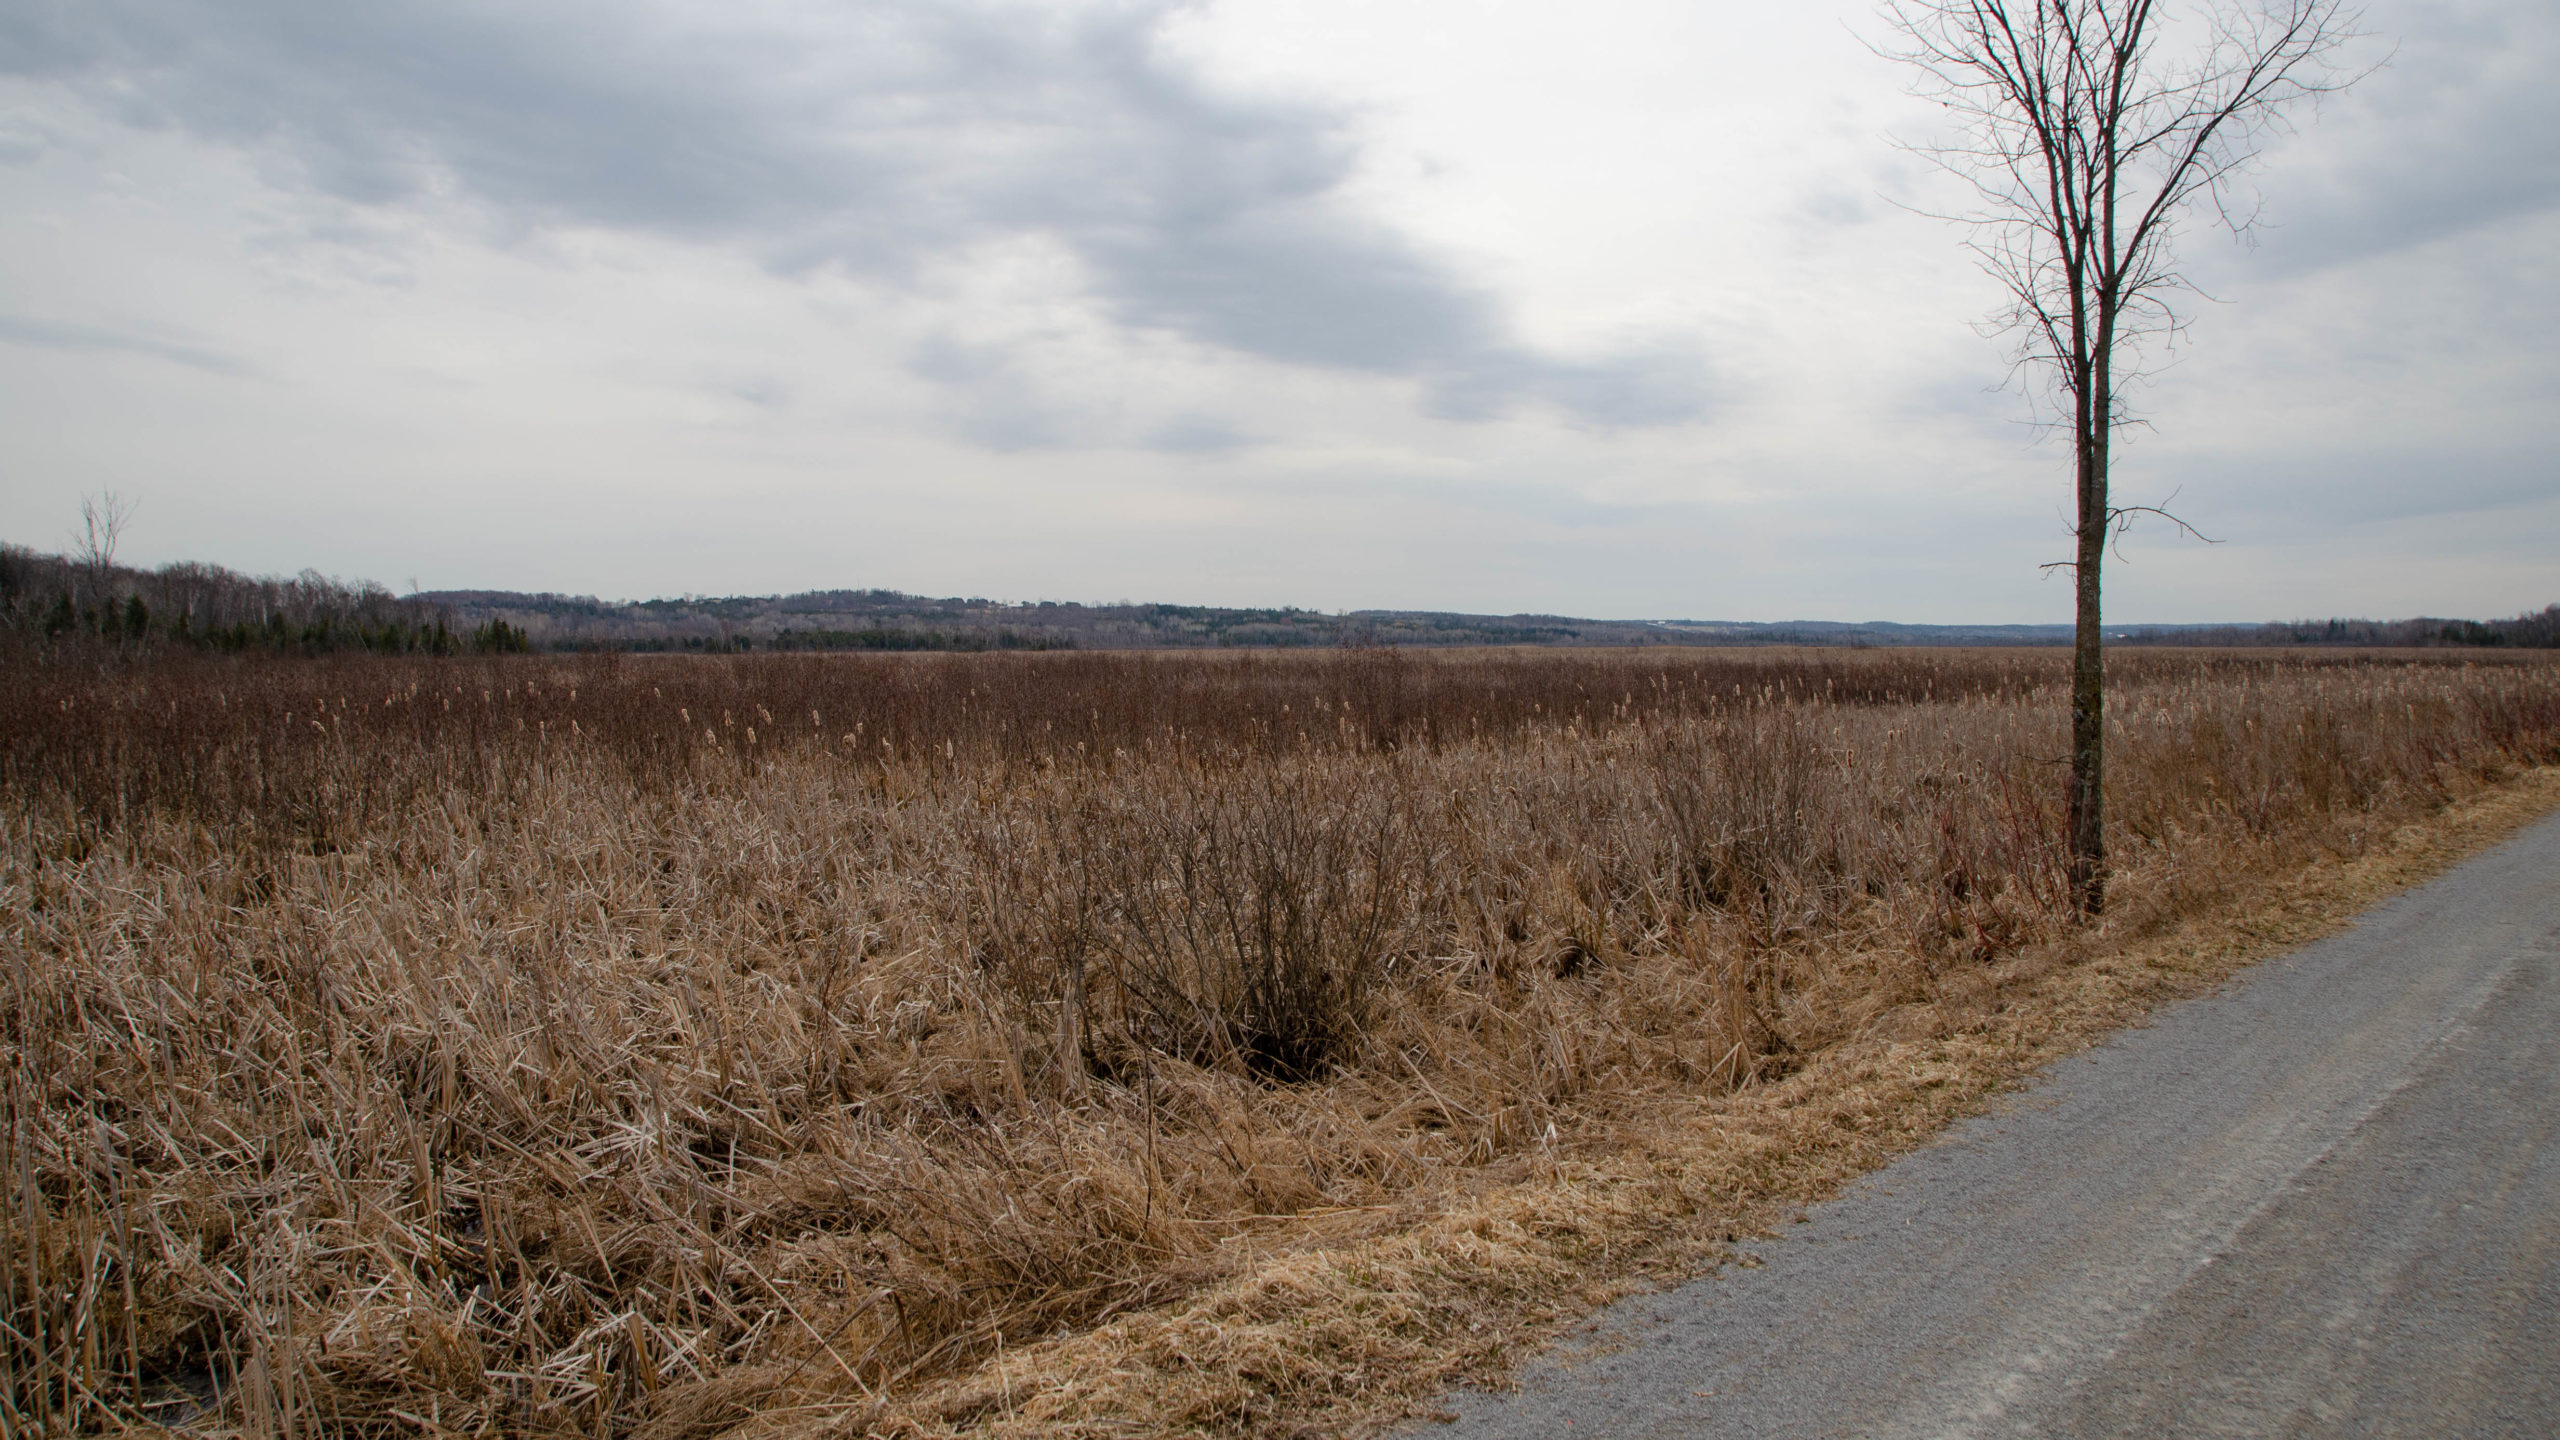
(2088, 657)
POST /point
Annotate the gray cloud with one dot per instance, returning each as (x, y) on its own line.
(874, 137)
(1656, 385)
(51, 335)
(2452, 134)
(2329, 490)
(1198, 435)
(993, 403)
(1833, 206)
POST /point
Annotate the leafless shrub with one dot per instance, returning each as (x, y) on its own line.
(1735, 791)
(1251, 917)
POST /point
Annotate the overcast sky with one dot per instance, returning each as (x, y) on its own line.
(1621, 308)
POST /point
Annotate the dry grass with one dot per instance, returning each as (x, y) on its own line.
(1071, 1044)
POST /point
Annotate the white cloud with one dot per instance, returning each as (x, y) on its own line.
(875, 138)
(1608, 310)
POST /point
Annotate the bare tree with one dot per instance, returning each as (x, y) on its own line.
(2085, 146)
(102, 522)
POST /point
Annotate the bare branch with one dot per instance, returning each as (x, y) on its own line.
(2120, 520)
(102, 522)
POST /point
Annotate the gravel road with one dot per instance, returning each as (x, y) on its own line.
(2323, 1202)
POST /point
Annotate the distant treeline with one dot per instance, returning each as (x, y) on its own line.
(881, 637)
(893, 620)
(54, 600)
(2530, 631)
(875, 637)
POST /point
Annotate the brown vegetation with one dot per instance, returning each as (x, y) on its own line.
(660, 1046)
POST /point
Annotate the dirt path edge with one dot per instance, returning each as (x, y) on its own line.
(1352, 1338)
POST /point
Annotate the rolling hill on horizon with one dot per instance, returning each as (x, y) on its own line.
(880, 619)
(45, 596)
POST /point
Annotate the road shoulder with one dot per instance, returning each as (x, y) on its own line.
(2324, 1200)
(1354, 1331)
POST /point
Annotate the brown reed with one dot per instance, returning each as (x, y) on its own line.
(641, 1046)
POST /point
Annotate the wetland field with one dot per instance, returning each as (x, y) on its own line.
(1040, 1043)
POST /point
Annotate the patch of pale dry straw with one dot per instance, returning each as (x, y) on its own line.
(802, 1047)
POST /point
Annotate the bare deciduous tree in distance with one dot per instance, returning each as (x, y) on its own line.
(102, 522)
(2085, 147)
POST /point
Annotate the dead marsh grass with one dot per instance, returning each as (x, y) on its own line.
(1057, 1044)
